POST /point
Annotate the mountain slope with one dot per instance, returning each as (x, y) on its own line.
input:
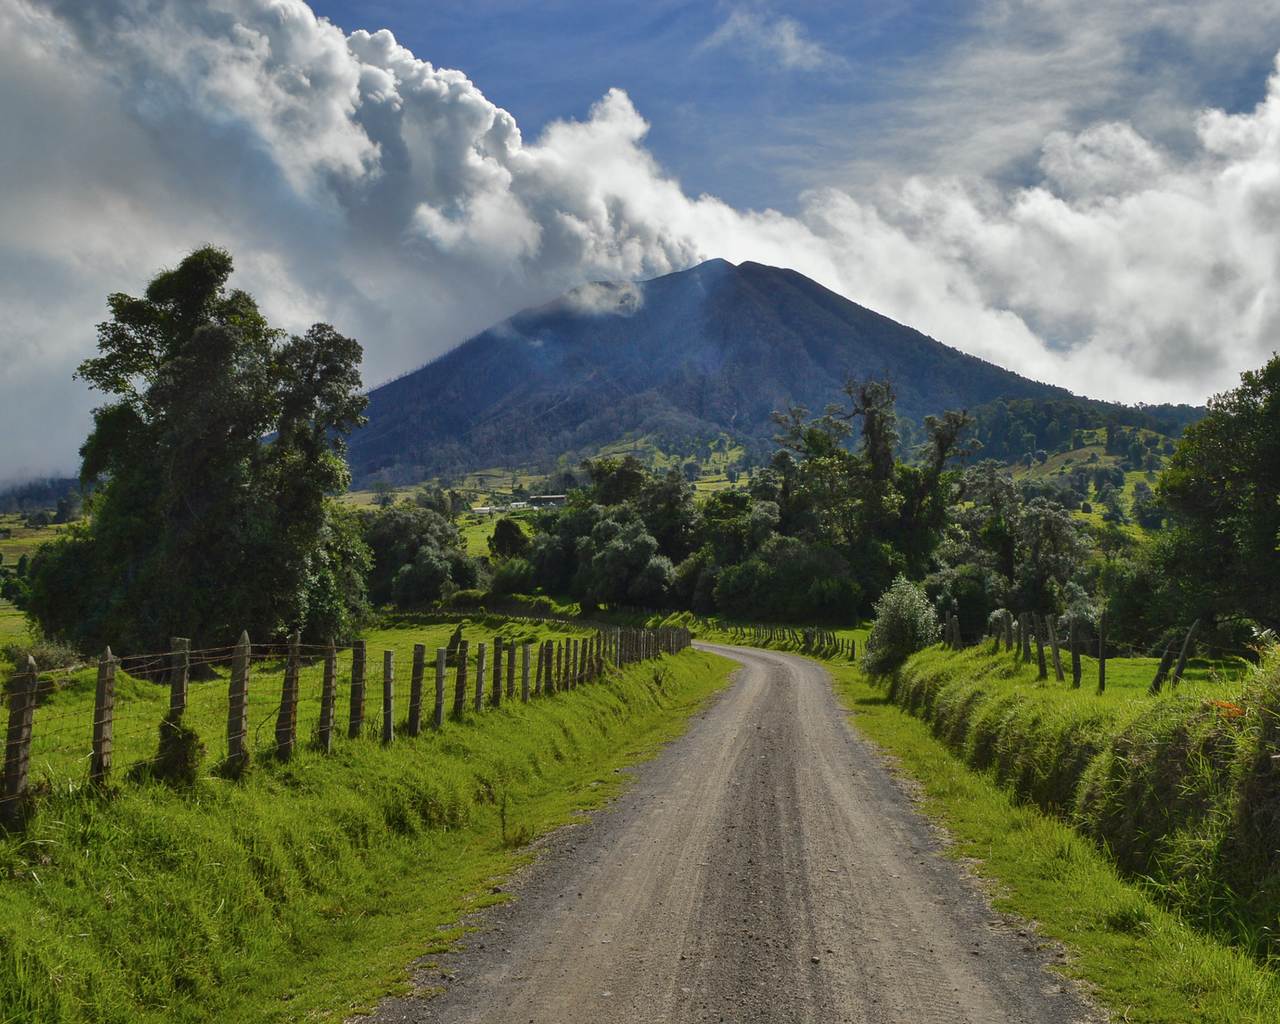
(716, 347)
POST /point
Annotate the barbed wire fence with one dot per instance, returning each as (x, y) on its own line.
(57, 736)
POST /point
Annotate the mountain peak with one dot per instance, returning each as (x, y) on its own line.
(711, 348)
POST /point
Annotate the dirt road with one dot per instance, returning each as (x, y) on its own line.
(764, 868)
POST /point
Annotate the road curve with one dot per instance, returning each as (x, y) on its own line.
(764, 868)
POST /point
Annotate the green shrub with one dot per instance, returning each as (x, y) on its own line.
(1180, 790)
(905, 623)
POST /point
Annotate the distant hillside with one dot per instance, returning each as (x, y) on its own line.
(34, 494)
(718, 347)
(1012, 429)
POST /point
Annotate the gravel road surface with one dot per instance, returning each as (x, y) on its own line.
(765, 867)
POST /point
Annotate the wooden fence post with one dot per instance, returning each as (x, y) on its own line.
(179, 674)
(1051, 622)
(356, 725)
(442, 672)
(460, 680)
(388, 696)
(1008, 630)
(328, 698)
(287, 718)
(1025, 619)
(1077, 670)
(17, 753)
(1182, 658)
(1043, 672)
(559, 665)
(524, 675)
(415, 688)
(496, 699)
(480, 676)
(542, 658)
(238, 704)
(103, 719)
(1102, 652)
(1166, 662)
(511, 670)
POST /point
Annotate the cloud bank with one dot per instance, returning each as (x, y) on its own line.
(357, 184)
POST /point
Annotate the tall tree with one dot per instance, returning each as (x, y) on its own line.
(213, 464)
(1221, 487)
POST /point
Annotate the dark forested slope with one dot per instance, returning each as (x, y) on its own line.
(717, 347)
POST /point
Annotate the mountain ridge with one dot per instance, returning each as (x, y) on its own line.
(715, 347)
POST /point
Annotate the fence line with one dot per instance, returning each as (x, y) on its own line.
(101, 734)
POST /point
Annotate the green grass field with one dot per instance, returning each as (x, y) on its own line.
(63, 728)
(24, 540)
(303, 891)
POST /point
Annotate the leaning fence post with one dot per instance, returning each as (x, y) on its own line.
(17, 755)
(415, 689)
(524, 675)
(442, 672)
(103, 719)
(238, 703)
(460, 680)
(179, 673)
(1102, 652)
(480, 676)
(1186, 651)
(287, 719)
(356, 727)
(1166, 662)
(388, 696)
(328, 697)
(1051, 622)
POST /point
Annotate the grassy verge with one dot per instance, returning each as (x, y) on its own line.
(303, 891)
(1143, 961)
(1182, 789)
(784, 638)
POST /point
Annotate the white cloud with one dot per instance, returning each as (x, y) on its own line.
(357, 184)
(779, 40)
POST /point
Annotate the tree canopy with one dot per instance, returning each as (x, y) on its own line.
(1222, 489)
(209, 472)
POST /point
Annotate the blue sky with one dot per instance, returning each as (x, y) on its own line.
(720, 114)
(735, 120)
(1084, 191)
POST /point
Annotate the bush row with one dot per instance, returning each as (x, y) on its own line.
(1181, 790)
